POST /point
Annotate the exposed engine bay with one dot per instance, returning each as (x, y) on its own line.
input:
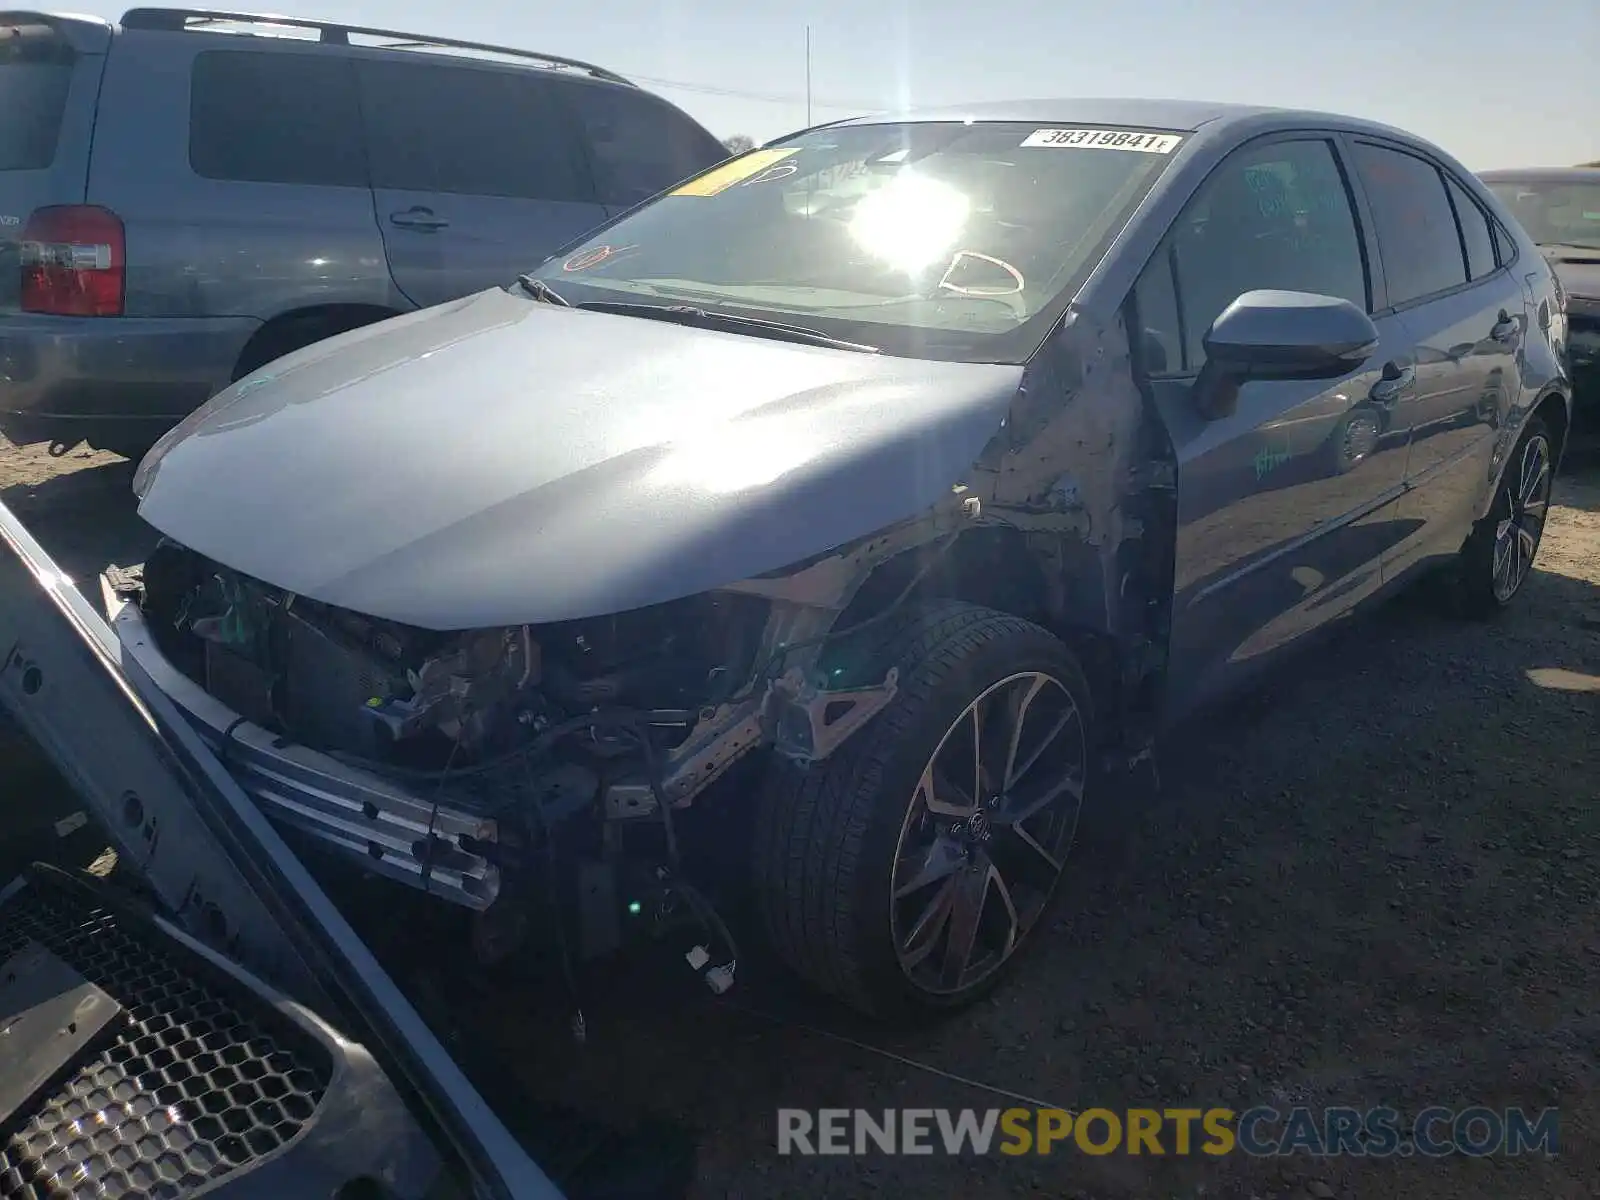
(588, 733)
(391, 695)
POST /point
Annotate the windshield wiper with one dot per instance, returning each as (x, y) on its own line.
(542, 291)
(685, 314)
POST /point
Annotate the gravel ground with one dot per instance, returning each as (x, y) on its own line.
(1373, 882)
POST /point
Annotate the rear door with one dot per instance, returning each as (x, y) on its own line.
(49, 81)
(1467, 315)
(639, 144)
(476, 173)
(1286, 506)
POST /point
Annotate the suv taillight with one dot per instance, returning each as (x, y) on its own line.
(72, 262)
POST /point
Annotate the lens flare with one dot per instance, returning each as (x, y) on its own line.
(911, 222)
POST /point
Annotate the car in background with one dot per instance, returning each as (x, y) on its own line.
(1560, 209)
(883, 486)
(188, 195)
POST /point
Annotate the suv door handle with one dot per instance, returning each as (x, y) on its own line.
(1505, 329)
(418, 218)
(1396, 379)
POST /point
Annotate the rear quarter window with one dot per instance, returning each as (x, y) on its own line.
(35, 74)
(264, 117)
(1477, 236)
(639, 144)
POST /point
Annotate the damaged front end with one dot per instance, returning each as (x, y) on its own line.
(447, 760)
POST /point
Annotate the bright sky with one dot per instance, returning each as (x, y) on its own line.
(1499, 84)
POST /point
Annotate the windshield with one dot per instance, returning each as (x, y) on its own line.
(955, 241)
(1554, 213)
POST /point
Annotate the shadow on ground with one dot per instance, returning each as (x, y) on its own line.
(84, 519)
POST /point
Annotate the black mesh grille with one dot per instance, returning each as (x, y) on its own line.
(189, 1089)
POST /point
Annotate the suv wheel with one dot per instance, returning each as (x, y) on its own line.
(1498, 557)
(906, 871)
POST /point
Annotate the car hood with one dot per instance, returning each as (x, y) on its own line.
(497, 461)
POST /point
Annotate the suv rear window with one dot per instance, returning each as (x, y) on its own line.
(639, 144)
(35, 73)
(264, 117)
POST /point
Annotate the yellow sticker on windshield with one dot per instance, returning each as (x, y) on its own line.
(747, 168)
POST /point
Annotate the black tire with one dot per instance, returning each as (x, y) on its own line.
(1474, 588)
(827, 839)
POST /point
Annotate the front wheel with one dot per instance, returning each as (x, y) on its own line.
(905, 872)
(1498, 557)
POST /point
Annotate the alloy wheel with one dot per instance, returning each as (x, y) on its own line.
(986, 832)
(1517, 535)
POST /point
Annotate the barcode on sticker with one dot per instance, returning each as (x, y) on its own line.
(1105, 139)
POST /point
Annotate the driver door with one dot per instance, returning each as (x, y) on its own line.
(1286, 506)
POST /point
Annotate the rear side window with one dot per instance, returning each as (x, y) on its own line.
(1416, 226)
(1272, 216)
(1476, 238)
(35, 73)
(469, 131)
(261, 117)
(639, 145)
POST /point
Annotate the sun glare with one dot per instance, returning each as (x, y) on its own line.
(911, 222)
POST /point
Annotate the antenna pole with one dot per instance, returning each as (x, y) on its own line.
(808, 76)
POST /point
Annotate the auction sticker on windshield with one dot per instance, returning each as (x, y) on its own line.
(740, 170)
(1105, 139)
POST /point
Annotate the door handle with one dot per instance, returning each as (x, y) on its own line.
(1505, 329)
(1396, 379)
(418, 218)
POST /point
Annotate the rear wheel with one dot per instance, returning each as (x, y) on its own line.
(905, 872)
(1498, 557)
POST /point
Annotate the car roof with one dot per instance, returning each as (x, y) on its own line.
(1190, 115)
(1543, 175)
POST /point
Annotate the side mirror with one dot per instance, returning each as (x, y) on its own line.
(1280, 335)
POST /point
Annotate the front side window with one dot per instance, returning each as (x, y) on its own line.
(1416, 227)
(1273, 216)
(1554, 213)
(474, 131)
(939, 240)
(277, 117)
(1155, 300)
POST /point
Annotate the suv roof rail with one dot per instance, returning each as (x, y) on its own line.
(332, 33)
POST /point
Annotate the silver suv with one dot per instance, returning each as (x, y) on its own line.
(190, 194)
